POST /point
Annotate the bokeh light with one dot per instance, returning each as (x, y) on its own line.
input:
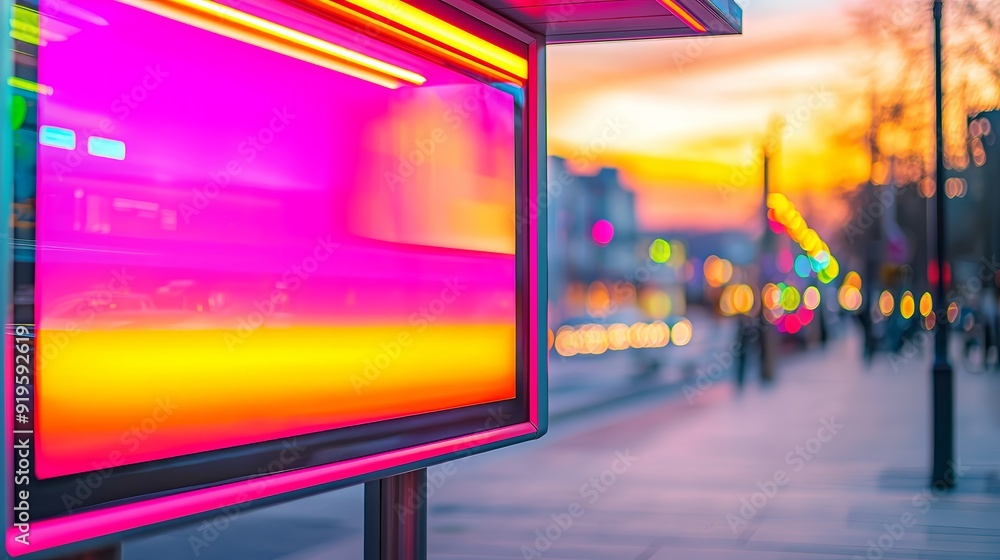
(820, 260)
(927, 187)
(743, 298)
(770, 296)
(594, 338)
(618, 336)
(805, 315)
(832, 268)
(603, 232)
(957, 187)
(790, 298)
(849, 297)
(678, 253)
(817, 258)
(18, 111)
(655, 303)
(717, 271)
(886, 303)
(657, 335)
(802, 266)
(565, 343)
(659, 251)
(811, 298)
(906, 305)
(926, 304)
(736, 299)
(598, 300)
(682, 332)
(785, 260)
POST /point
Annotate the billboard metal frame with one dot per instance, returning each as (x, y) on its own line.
(109, 525)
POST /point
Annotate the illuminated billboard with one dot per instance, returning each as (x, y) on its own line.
(273, 248)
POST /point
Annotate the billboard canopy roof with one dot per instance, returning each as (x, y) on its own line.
(577, 21)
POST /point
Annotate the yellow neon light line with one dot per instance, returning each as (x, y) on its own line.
(24, 15)
(440, 30)
(309, 40)
(260, 32)
(27, 85)
(25, 27)
(684, 15)
(462, 59)
(27, 37)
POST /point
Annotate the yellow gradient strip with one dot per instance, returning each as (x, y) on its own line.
(234, 388)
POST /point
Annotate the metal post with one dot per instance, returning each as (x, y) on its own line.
(113, 552)
(767, 346)
(396, 517)
(943, 384)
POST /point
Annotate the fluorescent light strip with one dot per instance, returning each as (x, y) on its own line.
(253, 30)
(684, 15)
(24, 25)
(27, 37)
(446, 33)
(365, 21)
(27, 85)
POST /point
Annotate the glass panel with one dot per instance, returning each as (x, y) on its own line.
(241, 240)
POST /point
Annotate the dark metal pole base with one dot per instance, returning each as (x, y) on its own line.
(768, 350)
(109, 553)
(943, 475)
(396, 517)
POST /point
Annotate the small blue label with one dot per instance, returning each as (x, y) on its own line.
(106, 148)
(56, 137)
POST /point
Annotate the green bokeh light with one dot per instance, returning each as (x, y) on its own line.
(18, 111)
(659, 251)
(790, 298)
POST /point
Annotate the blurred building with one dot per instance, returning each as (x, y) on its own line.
(592, 232)
(973, 230)
(974, 194)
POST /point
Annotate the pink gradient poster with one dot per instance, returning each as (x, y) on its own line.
(239, 246)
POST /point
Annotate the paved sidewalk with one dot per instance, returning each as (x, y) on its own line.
(725, 477)
(832, 462)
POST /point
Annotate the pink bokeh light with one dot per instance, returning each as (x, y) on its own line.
(603, 232)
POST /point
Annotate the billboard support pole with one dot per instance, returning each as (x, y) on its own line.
(113, 552)
(396, 517)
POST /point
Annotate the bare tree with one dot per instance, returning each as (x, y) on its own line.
(900, 70)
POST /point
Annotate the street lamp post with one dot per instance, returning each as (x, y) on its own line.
(943, 383)
(766, 254)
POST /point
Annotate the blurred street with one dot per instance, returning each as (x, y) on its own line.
(829, 461)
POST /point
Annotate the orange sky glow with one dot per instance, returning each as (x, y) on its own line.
(694, 113)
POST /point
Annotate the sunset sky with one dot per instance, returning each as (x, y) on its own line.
(696, 110)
